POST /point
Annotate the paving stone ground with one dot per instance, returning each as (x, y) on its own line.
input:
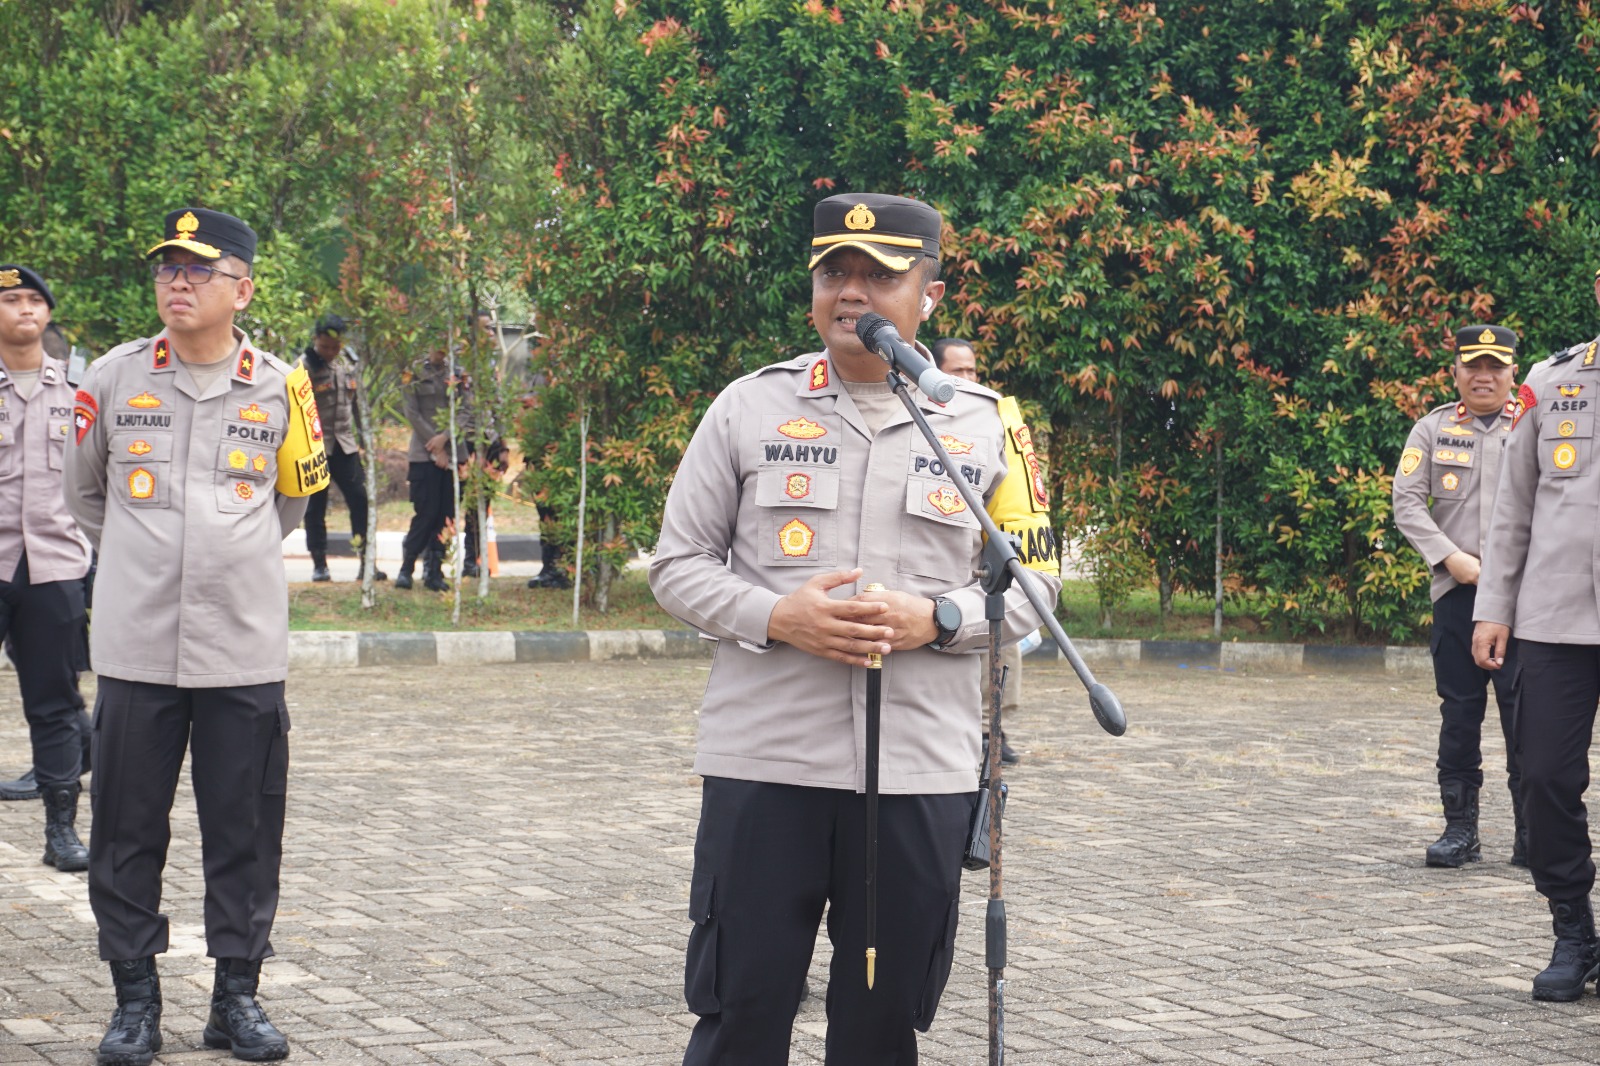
(492, 866)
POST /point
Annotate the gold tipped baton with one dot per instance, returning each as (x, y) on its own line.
(874, 718)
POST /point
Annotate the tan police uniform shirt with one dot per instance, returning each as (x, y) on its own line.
(33, 515)
(1453, 460)
(1541, 569)
(427, 409)
(177, 490)
(783, 481)
(334, 385)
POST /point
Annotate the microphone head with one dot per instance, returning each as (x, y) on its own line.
(869, 326)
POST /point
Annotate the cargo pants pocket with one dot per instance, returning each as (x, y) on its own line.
(700, 961)
(275, 777)
(943, 955)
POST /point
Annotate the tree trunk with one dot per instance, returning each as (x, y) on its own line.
(1216, 620)
(1164, 583)
(483, 545)
(369, 545)
(607, 570)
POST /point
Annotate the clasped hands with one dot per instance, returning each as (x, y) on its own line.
(847, 631)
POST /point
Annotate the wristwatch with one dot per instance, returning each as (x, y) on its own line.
(947, 619)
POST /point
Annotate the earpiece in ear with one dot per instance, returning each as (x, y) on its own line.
(927, 305)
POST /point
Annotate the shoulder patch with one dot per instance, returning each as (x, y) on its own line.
(1410, 459)
(1526, 400)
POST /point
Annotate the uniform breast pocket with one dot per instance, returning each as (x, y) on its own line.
(939, 538)
(1453, 471)
(59, 428)
(799, 517)
(1565, 441)
(10, 452)
(245, 474)
(142, 482)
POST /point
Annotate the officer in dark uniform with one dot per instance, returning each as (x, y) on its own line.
(43, 559)
(1444, 489)
(333, 371)
(427, 410)
(194, 454)
(1541, 582)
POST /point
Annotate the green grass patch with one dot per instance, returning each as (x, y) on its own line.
(511, 606)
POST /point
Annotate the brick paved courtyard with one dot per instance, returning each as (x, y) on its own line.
(491, 866)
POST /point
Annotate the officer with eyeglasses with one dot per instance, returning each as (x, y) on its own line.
(193, 455)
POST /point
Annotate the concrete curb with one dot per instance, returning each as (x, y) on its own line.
(325, 650)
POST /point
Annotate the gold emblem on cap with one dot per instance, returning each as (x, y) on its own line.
(10, 279)
(860, 217)
(1486, 337)
(186, 225)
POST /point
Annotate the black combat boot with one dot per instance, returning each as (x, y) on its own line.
(319, 567)
(237, 1020)
(25, 787)
(1459, 844)
(433, 572)
(1576, 957)
(469, 562)
(403, 579)
(134, 1035)
(62, 848)
(358, 544)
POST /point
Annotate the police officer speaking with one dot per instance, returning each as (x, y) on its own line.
(804, 479)
(1540, 582)
(43, 559)
(195, 452)
(1453, 457)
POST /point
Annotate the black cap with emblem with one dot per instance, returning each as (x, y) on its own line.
(897, 232)
(1473, 342)
(208, 234)
(331, 325)
(13, 276)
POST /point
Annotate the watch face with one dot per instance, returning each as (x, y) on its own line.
(947, 616)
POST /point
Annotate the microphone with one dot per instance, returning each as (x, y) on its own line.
(879, 335)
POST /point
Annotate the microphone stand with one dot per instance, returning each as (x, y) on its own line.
(1001, 566)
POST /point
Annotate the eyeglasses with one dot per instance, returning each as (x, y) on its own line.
(193, 273)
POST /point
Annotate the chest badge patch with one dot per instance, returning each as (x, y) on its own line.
(144, 401)
(797, 486)
(802, 429)
(947, 501)
(140, 447)
(237, 459)
(795, 539)
(1456, 431)
(1450, 482)
(141, 484)
(259, 462)
(253, 413)
(1569, 389)
(243, 490)
(1564, 456)
(1445, 455)
(1567, 428)
(819, 375)
(955, 445)
(1410, 459)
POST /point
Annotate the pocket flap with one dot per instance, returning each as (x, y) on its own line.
(702, 897)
